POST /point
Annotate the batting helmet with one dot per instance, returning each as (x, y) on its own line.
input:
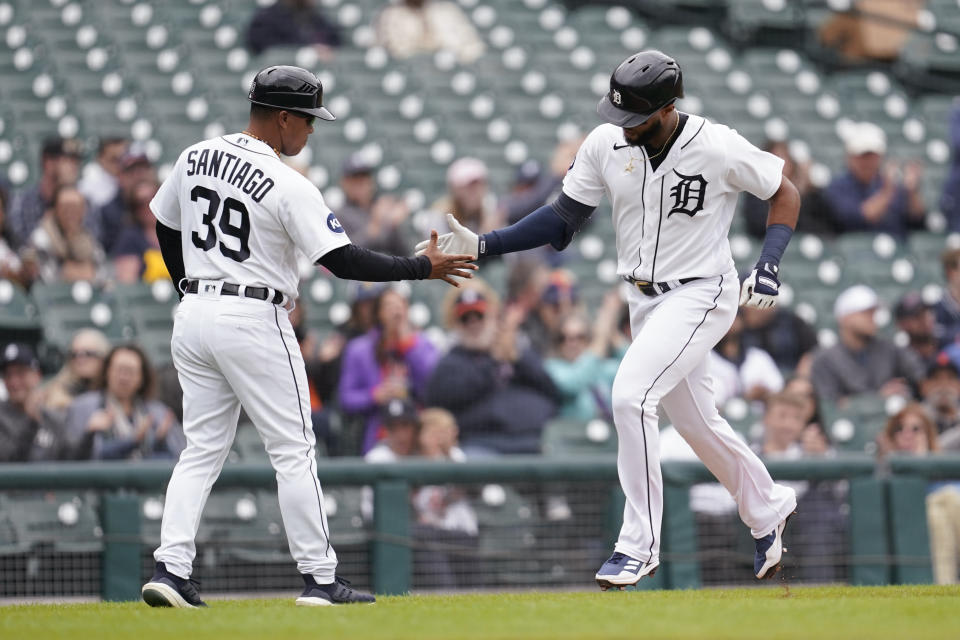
(643, 84)
(291, 89)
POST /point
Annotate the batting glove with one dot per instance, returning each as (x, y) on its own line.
(761, 287)
(459, 241)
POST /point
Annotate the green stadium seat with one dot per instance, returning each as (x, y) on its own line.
(507, 522)
(854, 425)
(68, 522)
(19, 318)
(571, 437)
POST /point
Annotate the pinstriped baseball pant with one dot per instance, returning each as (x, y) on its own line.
(666, 365)
(229, 351)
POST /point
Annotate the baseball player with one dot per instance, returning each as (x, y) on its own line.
(230, 219)
(673, 180)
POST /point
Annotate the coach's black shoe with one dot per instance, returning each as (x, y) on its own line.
(168, 590)
(337, 592)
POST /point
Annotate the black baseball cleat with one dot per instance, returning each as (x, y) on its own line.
(325, 595)
(168, 590)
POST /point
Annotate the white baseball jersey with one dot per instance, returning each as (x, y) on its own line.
(672, 222)
(243, 214)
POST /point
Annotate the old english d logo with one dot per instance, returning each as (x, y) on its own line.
(688, 194)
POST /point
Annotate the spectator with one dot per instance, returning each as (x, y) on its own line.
(98, 183)
(916, 320)
(322, 360)
(107, 220)
(11, 266)
(947, 310)
(120, 420)
(534, 184)
(445, 520)
(59, 166)
(779, 331)
(80, 374)
(27, 432)
(363, 304)
(559, 298)
(468, 199)
(950, 201)
(413, 27)
(872, 195)
(940, 392)
(861, 361)
(581, 367)
(497, 390)
(813, 214)
(801, 387)
(401, 426)
(136, 253)
(392, 361)
(912, 432)
(372, 221)
(783, 424)
(65, 250)
(741, 371)
(292, 23)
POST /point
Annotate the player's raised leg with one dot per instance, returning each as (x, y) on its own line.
(764, 505)
(210, 412)
(266, 371)
(672, 335)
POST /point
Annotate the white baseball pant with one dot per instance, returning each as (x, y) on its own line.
(230, 351)
(667, 365)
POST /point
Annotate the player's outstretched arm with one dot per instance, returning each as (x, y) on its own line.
(351, 262)
(762, 286)
(552, 224)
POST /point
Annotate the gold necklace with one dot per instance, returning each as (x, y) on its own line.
(256, 137)
(665, 144)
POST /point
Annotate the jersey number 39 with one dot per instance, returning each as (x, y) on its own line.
(227, 228)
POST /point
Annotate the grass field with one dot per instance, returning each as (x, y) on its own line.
(876, 613)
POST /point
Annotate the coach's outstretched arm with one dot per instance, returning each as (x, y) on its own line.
(761, 287)
(553, 224)
(351, 262)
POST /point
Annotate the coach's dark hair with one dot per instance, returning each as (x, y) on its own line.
(145, 390)
(261, 112)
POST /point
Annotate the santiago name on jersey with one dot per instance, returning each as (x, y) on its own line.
(672, 222)
(243, 214)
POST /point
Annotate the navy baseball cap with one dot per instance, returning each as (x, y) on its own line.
(528, 172)
(15, 353)
(399, 410)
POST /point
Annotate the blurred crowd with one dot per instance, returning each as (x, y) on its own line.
(506, 362)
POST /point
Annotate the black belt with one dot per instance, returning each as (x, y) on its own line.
(230, 289)
(656, 288)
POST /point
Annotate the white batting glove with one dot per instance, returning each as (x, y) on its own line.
(761, 287)
(459, 241)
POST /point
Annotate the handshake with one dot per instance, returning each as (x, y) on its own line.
(451, 254)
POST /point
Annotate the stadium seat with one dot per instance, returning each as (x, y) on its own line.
(855, 424)
(571, 437)
(68, 522)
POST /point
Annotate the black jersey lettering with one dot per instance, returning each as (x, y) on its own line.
(230, 158)
(192, 162)
(252, 182)
(215, 158)
(202, 161)
(241, 175)
(262, 190)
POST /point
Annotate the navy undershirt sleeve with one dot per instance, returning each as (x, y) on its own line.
(775, 243)
(553, 224)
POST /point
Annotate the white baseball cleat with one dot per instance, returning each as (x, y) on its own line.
(620, 570)
(770, 550)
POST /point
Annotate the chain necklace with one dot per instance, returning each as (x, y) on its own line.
(256, 137)
(665, 144)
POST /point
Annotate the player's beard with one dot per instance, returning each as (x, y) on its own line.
(644, 138)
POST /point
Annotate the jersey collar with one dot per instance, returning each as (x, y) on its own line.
(690, 131)
(252, 143)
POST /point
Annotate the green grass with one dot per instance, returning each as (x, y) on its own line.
(876, 613)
